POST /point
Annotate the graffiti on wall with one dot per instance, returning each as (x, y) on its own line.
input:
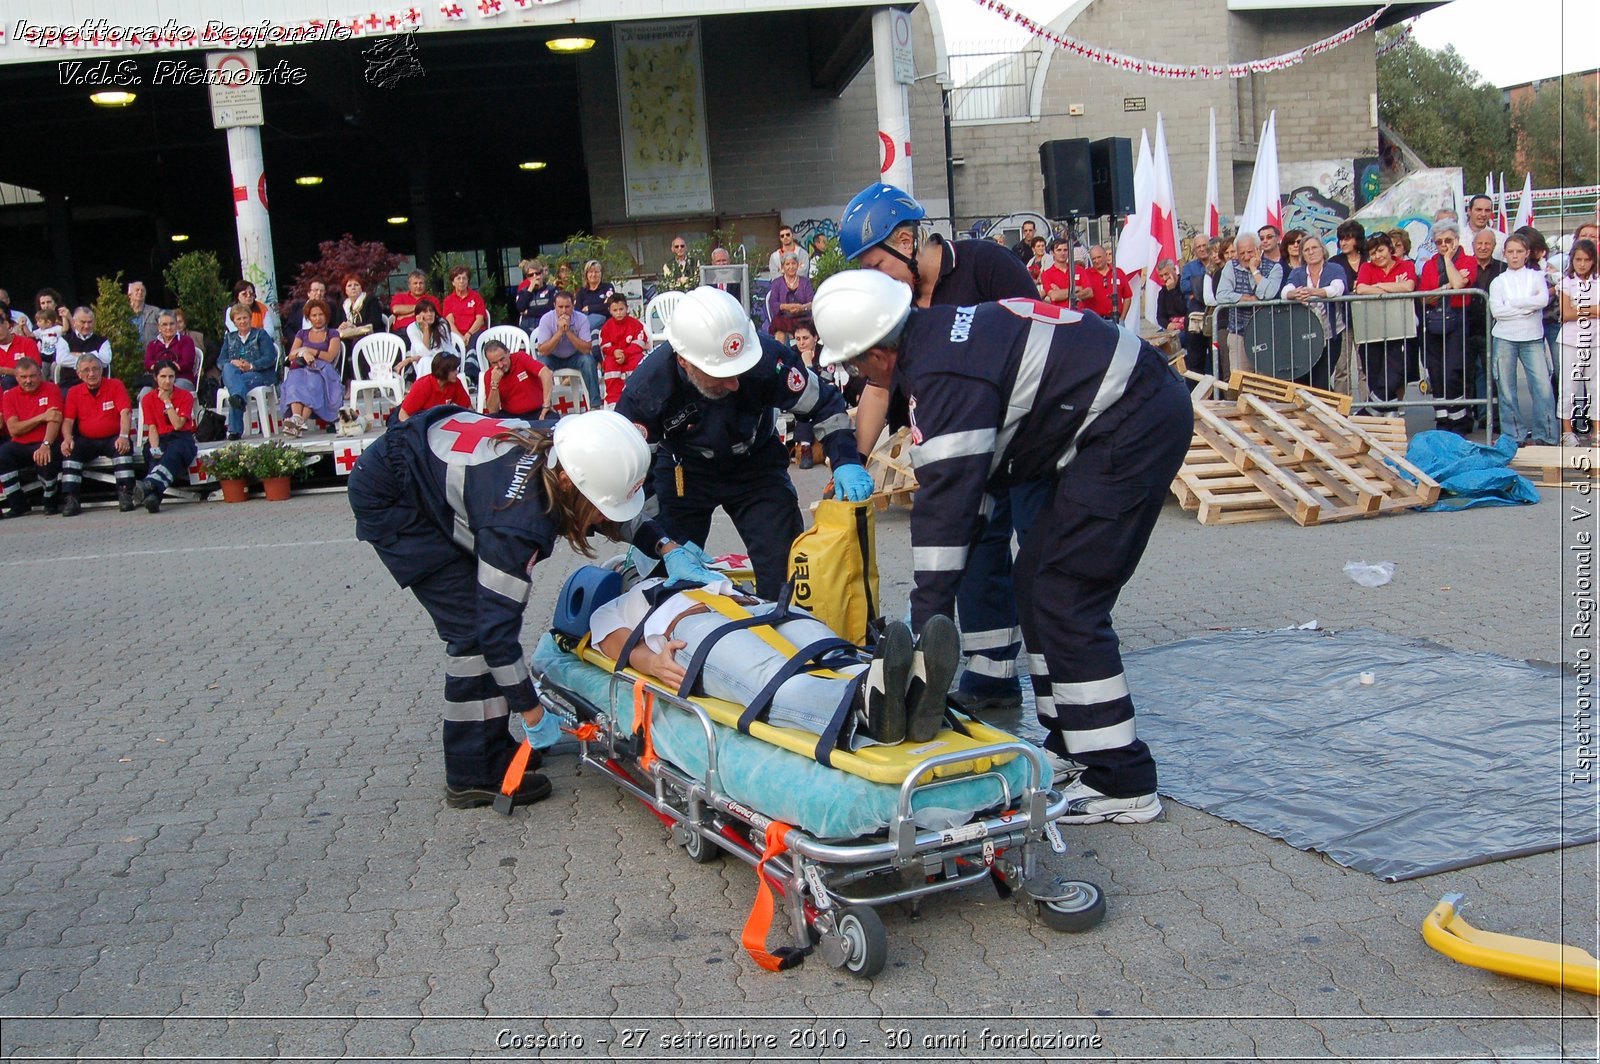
(807, 228)
(1322, 194)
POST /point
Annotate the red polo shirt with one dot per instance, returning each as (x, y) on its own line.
(1102, 285)
(520, 390)
(155, 412)
(1057, 278)
(97, 415)
(19, 345)
(428, 393)
(405, 306)
(22, 405)
(1400, 270)
(1434, 277)
(464, 310)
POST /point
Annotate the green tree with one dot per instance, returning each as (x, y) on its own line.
(1555, 138)
(195, 280)
(113, 319)
(1444, 110)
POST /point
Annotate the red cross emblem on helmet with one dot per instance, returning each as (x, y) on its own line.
(733, 345)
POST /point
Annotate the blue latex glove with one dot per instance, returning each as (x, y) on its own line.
(689, 562)
(852, 483)
(544, 734)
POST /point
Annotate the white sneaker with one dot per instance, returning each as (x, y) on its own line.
(1085, 805)
(1065, 770)
(1570, 439)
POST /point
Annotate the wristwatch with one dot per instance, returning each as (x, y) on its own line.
(661, 543)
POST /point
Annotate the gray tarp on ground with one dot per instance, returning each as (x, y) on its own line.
(1447, 760)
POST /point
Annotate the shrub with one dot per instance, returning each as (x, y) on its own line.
(195, 281)
(231, 461)
(371, 261)
(113, 319)
(830, 262)
(616, 261)
(275, 459)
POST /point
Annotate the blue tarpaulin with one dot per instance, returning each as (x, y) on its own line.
(1471, 474)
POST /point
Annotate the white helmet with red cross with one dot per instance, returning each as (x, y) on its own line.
(712, 332)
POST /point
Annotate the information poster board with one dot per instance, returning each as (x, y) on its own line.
(661, 94)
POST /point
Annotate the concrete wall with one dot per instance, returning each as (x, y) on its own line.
(1323, 104)
(778, 146)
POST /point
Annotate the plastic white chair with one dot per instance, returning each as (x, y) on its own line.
(510, 335)
(658, 313)
(376, 356)
(568, 393)
(261, 412)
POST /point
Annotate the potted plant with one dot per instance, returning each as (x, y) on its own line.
(230, 465)
(274, 463)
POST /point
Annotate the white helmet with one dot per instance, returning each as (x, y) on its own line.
(854, 310)
(606, 458)
(710, 329)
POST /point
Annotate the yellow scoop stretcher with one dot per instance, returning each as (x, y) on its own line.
(1522, 958)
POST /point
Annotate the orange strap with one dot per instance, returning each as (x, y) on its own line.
(517, 769)
(759, 923)
(644, 702)
(586, 733)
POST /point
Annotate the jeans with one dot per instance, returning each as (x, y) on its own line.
(1530, 355)
(239, 382)
(584, 364)
(739, 665)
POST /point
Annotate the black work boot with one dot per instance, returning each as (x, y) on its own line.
(932, 669)
(52, 504)
(881, 696)
(125, 502)
(70, 506)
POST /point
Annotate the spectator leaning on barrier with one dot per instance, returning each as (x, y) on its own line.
(1484, 246)
(97, 422)
(1480, 215)
(1444, 325)
(33, 417)
(1248, 279)
(1311, 283)
(1385, 273)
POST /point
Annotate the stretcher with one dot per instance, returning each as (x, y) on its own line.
(973, 804)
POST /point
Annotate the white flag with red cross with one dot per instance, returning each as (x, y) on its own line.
(345, 454)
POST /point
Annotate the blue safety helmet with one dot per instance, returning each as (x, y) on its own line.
(585, 591)
(876, 212)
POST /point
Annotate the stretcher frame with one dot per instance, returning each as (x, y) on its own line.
(820, 881)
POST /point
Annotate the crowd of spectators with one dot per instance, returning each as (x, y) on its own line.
(1522, 320)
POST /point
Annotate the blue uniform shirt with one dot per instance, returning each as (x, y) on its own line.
(694, 430)
(1041, 376)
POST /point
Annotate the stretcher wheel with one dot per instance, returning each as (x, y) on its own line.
(862, 929)
(700, 849)
(1079, 907)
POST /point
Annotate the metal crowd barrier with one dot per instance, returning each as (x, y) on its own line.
(1381, 348)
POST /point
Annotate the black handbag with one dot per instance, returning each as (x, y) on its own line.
(1441, 317)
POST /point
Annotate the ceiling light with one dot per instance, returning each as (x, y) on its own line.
(112, 98)
(532, 164)
(308, 180)
(570, 44)
(178, 238)
(398, 219)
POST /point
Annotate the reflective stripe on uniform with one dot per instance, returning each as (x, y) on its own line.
(503, 583)
(510, 675)
(993, 639)
(994, 668)
(952, 445)
(1025, 389)
(469, 665)
(808, 398)
(475, 710)
(1111, 737)
(1091, 692)
(1112, 387)
(455, 496)
(938, 559)
(828, 426)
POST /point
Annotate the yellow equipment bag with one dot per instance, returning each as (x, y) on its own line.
(834, 568)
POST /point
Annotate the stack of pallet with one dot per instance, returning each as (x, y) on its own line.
(894, 481)
(1278, 448)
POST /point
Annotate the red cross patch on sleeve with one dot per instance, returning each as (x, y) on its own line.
(797, 380)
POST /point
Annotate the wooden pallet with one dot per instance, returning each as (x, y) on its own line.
(1556, 467)
(1281, 391)
(894, 481)
(1252, 460)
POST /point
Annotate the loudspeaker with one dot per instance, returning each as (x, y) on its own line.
(1067, 185)
(1111, 160)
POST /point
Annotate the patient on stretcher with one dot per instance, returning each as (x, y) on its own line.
(901, 695)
